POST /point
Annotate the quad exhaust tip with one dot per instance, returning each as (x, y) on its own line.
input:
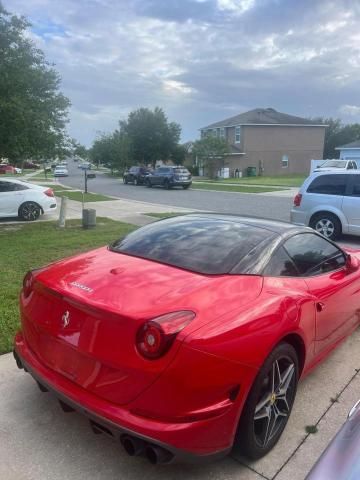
(156, 454)
(135, 446)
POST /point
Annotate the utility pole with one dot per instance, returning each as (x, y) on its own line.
(86, 180)
(62, 215)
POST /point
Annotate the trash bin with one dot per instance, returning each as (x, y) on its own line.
(251, 171)
(88, 218)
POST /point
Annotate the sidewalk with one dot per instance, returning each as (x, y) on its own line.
(129, 211)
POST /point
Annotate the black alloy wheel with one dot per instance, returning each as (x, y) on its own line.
(269, 404)
(29, 211)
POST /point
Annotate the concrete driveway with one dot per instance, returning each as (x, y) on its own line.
(40, 442)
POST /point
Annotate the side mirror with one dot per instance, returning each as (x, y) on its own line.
(352, 263)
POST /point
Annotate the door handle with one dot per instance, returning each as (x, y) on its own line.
(320, 306)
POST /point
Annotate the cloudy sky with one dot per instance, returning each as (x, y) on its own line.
(200, 60)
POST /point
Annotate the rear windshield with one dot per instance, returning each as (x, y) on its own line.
(200, 244)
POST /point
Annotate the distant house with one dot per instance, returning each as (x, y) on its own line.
(350, 151)
(273, 141)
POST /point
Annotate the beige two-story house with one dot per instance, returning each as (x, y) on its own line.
(275, 143)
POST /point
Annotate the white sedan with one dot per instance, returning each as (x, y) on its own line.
(61, 171)
(25, 200)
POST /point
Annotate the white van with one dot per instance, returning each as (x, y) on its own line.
(329, 202)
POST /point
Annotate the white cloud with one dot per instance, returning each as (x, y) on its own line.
(201, 60)
(351, 110)
(238, 6)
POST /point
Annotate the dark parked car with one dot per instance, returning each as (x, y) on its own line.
(341, 459)
(32, 165)
(136, 175)
(169, 177)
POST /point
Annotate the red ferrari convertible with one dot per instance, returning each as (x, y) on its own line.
(188, 337)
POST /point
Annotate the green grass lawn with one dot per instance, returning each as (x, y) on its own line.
(88, 197)
(222, 187)
(28, 246)
(56, 187)
(279, 180)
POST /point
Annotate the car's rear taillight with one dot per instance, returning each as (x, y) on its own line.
(28, 284)
(49, 192)
(297, 200)
(155, 337)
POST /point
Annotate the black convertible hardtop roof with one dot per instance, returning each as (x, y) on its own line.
(208, 243)
(276, 226)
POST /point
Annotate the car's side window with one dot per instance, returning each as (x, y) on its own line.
(7, 187)
(355, 186)
(19, 187)
(329, 184)
(314, 255)
(281, 265)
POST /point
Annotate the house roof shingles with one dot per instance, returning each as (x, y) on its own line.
(262, 116)
(355, 144)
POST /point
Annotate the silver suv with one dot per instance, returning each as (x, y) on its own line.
(329, 202)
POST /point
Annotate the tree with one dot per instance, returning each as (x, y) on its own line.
(178, 154)
(337, 134)
(112, 149)
(210, 152)
(33, 113)
(152, 137)
(79, 150)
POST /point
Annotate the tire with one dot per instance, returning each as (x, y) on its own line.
(271, 405)
(125, 180)
(29, 211)
(167, 184)
(185, 187)
(327, 224)
(148, 184)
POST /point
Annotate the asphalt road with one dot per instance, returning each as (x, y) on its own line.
(224, 202)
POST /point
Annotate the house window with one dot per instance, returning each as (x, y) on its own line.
(222, 132)
(214, 132)
(218, 132)
(237, 135)
(285, 161)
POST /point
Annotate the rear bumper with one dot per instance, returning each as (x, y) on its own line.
(49, 205)
(299, 217)
(117, 421)
(181, 183)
